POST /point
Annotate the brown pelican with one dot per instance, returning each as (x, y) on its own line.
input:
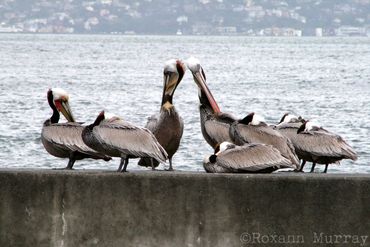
(64, 140)
(249, 158)
(167, 126)
(325, 147)
(253, 129)
(288, 127)
(214, 123)
(117, 138)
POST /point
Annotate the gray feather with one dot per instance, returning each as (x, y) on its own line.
(129, 139)
(249, 158)
(264, 134)
(67, 136)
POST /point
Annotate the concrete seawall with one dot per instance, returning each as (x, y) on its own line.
(103, 208)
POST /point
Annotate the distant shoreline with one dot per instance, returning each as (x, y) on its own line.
(183, 35)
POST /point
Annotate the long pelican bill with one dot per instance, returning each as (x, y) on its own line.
(66, 111)
(201, 82)
(169, 85)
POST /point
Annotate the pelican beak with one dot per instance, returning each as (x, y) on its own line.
(65, 109)
(201, 82)
(168, 88)
(170, 83)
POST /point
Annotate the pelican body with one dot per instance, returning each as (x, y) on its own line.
(249, 158)
(117, 138)
(252, 129)
(288, 127)
(214, 123)
(63, 140)
(324, 147)
(167, 126)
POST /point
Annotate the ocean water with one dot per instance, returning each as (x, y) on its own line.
(327, 79)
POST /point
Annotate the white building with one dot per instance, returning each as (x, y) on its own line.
(318, 32)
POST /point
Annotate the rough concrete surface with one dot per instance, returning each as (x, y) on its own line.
(157, 208)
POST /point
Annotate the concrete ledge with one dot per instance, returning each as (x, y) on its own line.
(103, 208)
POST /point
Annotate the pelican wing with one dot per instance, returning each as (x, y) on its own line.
(259, 134)
(289, 130)
(130, 140)
(218, 131)
(218, 127)
(324, 143)
(267, 135)
(67, 136)
(252, 157)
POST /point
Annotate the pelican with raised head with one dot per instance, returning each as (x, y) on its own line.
(325, 147)
(214, 123)
(249, 158)
(253, 129)
(117, 138)
(64, 140)
(167, 126)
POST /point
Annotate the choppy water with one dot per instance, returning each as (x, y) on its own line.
(327, 79)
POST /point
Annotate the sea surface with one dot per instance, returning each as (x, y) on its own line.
(326, 79)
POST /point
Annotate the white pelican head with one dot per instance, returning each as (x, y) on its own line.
(173, 73)
(308, 126)
(291, 118)
(223, 146)
(312, 124)
(59, 99)
(205, 95)
(288, 118)
(193, 64)
(59, 94)
(170, 66)
(253, 119)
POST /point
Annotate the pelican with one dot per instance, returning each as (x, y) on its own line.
(64, 140)
(288, 127)
(325, 147)
(214, 123)
(117, 138)
(249, 158)
(167, 126)
(253, 129)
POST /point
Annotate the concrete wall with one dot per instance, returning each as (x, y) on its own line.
(103, 208)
